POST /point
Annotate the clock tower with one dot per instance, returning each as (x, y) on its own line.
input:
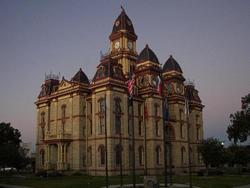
(123, 43)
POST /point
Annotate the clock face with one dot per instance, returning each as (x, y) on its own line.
(179, 88)
(155, 81)
(117, 45)
(117, 23)
(143, 81)
(130, 45)
(170, 89)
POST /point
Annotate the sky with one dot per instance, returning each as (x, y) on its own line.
(209, 39)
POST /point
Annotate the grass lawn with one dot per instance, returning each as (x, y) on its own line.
(96, 182)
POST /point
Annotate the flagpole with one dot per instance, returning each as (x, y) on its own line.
(120, 150)
(188, 135)
(145, 141)
(106, 145)
(164, 140)
(133, 142)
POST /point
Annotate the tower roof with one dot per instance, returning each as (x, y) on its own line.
(109, 68)
(171, 65)
(80, 77)
(147, 55)
(123, 22)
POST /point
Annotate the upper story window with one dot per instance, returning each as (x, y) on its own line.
(117, 115)
(181, 115)
(158, 155)
(63, 110)
(141, 155)
(42, 121)
(102, 116)
(101, 151)
(156, 110)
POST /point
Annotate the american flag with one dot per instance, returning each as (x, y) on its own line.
(131, 84)
(159, 87)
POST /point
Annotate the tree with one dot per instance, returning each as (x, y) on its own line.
(11, 153)
(238, 155)
(239, 128)
(212, 152)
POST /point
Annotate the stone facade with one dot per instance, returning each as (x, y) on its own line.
(74, 115)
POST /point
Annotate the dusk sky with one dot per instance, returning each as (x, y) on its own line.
(209, 39)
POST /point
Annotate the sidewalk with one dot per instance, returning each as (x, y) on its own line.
(12, 186)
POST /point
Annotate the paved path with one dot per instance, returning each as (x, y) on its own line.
(12, 186)
(244, 186)
(161, 185)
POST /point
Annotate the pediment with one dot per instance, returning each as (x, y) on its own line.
(64, 84)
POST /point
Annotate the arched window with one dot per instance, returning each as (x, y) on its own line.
(156, 110)
(118, 154)
(141, 156)
(171, 132)
(183, 155)
(197, 132)
(191, 155)
(181, 115)
(158, 155)
(63, 116)
(130, 156)
(42, 157)
(63, 111)
(89, 155)
(42, 121)
(102, 109)
(157, 129)
(117, 115)
(101, 151)
(181, 130)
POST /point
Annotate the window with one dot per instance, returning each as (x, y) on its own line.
(183, 154)
(197, 132)
(171, 133)
(101, 151)
(130, 156)
(118, 154)
(191, 155)
(42, 157)
(102, 116)
(117, 115)
(63, 116)
(158, 155)
(141, 151)
(63, 111)
(197, 119)
(42, 121)
(156, 110)
(181, 130)
(89, 155)
(140, 127)
(181, 117)
(43, 133)
(157, 130)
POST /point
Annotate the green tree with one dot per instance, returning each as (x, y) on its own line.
(11, 153)
(212, 152)
(238, 155)
(239, 128)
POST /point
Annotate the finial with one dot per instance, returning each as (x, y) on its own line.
(122, 8)
(146, 45)
(171, 56)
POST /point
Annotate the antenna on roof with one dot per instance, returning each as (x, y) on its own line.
(122, 8)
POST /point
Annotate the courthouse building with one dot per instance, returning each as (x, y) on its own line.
(73, 114)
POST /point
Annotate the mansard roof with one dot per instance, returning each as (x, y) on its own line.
(109, 67)
(123, 22)
(171, 65)
(80, 77)
(147, 55)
